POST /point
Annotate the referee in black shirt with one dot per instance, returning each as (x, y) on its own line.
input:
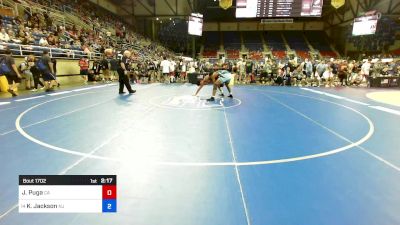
(123, 71)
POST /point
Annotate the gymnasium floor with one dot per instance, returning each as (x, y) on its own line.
(272, 155)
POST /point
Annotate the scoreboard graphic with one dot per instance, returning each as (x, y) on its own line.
(278, 8)
(67, 193)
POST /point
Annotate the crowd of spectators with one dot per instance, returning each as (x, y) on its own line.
(161, 67)
(28, 31)
(295, 72)
(37, 27)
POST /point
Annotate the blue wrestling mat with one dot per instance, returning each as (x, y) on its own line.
(270, 155)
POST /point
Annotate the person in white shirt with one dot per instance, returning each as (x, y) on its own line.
(4, 36)
(172, 71)
(241, 70)
(25, 67)
(328, 77)
(191, 68)
(183, 70)
(366, 66)
(365, 69)
(43, 42)
(165, 67)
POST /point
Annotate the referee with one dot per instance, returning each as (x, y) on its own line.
(123, 70)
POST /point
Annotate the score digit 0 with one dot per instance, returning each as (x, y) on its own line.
(109, 191)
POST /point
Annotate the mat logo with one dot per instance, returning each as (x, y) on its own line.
(192, 102)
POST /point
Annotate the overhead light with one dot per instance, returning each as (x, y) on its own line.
(170, 18)
(157, 18)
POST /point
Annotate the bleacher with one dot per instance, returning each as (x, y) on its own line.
(256, 55)
(211, 44)
(276, 44)
(232, 54)
(318, 40)
(252, 41)
(274, 41)
(171, 34)
(297, 43)
(210, 54)
(231, 40)
(211, 40)
(396, 52)
(99, 30)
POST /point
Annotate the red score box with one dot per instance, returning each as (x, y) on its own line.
(109, 192)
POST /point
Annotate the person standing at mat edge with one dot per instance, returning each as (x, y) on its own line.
(24, 68)
(84, 68)
(46, 68)
(123, 70)
(9, 69)
(166, 68)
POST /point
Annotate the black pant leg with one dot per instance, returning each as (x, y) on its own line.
(125, 81)
(35, 82)
(121, 76)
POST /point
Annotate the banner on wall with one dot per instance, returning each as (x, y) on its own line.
(338, 3)
(225, 4)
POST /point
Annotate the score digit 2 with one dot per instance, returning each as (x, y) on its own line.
(109, 198)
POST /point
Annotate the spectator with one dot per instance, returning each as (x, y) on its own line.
(17, 21)
(308, 68)
(14, 39)
(365, 68)
(342, 73)
(28, 39)
(172, 71)
(321, 67)
(25, 68)
(35, 73)
(113, 67)
(328, 77)
(165, 65)
(241, 65)
(12, 73)
(51, 40)
(43, 42)
(95, 71)
(4, 36)
(46, 68)
(105, 68)
(84, 68)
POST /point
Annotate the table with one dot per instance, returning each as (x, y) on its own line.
(391, 81)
